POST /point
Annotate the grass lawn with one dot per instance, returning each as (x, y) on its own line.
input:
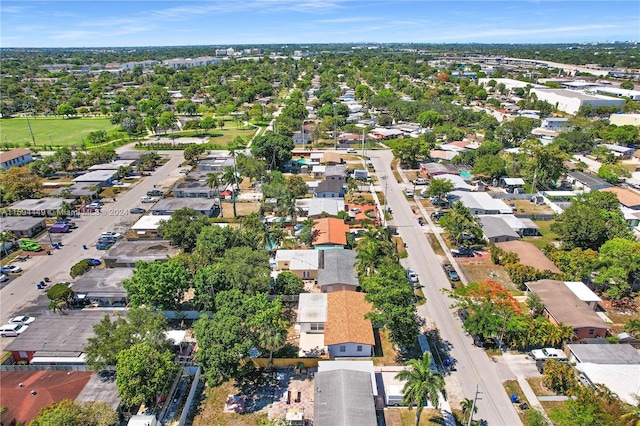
(406, 417)
(526, 206)
(538, 388)
(548, 236)
(513, 387)
(210, 410)
(52, 131)
(389, 356)
(242, 208)
(478, 269)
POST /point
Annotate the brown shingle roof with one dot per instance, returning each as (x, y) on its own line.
(330, 230)
(12, 154)
(626, 197)
(564, 306)
(529, 255)
(345, 319)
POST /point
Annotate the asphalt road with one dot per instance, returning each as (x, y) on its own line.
(473, 365)
(21, 297)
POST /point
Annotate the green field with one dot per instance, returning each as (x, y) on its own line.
(14, 132)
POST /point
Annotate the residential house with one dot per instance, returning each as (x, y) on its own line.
(215, 164)
(523, 226)
(303, 263)
(22, 226)
(316, 207)
(125, 254)
(336, 271)
(347, 333)
(330, 188)
(312, 314)
(627, 197)
(113, 165)
(512, 185)
(195, 189)
(555, 124)
(103, 287)
(459, 184)
(15, 158)
(581, 180)
(544, 135)
(529, 255)
(147, 226)
(481, 203)
(168, 206)
(47, 206)
(79, 190)
(380, 133)
(619, 151)
(331, 158)
(436, 169)
(343, 398)
(562, 306)
(332, 172)
(615, 366)
(329, 233)
(496, 229)
(96, 178)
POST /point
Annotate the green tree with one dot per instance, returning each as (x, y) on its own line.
(613, 172)
(19, 183)
(422, 385)
(214, 241)
(112, 335)
(591, 220)
(208, 123)
(410, 151)
(63, 157)
(468, 408)
(492, 166)
(144, 373)
(439, 188)
(430, 119)
(66, 110)
(157, 284)
(274, 149)
(619, 265)
(289, 283)
(167, 120)
(71, 413)
(559, 376)
(60, 297)
(627, 85)
(183, 228)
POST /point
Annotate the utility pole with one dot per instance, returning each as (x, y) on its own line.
(473, 406)
(335, 135)
(363, 142)
(30, 131)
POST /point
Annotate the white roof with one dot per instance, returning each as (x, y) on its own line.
(312, 307)
(514, 222)
(457, 181)
(513, 181)
(96, 176)
(299, 260)
(482, 201)
(319, 169)
(386, 132)
(621, 379)
(149, 222)
(583, 292)
(315, 206)
(364, 366)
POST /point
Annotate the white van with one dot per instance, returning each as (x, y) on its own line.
(12, 330)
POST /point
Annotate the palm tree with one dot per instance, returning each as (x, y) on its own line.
(229, 177)
(6, 237)
(468, 407)
(421, 385)
(272, 339)
(214, 181)
(632, 418)
(287, 208)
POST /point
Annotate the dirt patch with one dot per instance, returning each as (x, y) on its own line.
(405, 417)
(385, 351)
(538, 388)
(527, 207)
(480, 269)
(242, 209)
(210, 410)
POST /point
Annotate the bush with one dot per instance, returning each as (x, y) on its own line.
(80, 268)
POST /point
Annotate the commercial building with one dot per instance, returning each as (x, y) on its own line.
(570, 101)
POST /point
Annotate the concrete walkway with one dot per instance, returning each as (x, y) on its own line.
(516, 369)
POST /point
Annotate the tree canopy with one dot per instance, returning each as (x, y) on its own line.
(274, 150)
(157, 284)
(183, 228)
(71, 413)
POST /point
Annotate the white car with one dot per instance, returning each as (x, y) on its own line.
(23, 319)
(11, 269)
(3, 278)
(412, 276)
(12, 330)
(548, 353)
(148, 200)
(408, 193)
(111, 234)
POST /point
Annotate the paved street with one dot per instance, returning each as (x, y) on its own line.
(21, 296)
(473, 366)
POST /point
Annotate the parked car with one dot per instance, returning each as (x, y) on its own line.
(108, 240)
(408, 193)
(351, 151)
(3, 278)
(438, 214)
(462, 252)
(10, 269)
(421, 181)
(90, 208)
(112, 234)
(12, 330)
(23, 319)
(451, 272)
(148, 200)
(412, 276)
(103, 245)
(94, 262)
(29, 245)
(185, 171)
(155, 193)
(59, 228)
(137, 210)
(548, 353)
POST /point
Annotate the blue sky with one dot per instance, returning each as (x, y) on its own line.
(95, 23)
